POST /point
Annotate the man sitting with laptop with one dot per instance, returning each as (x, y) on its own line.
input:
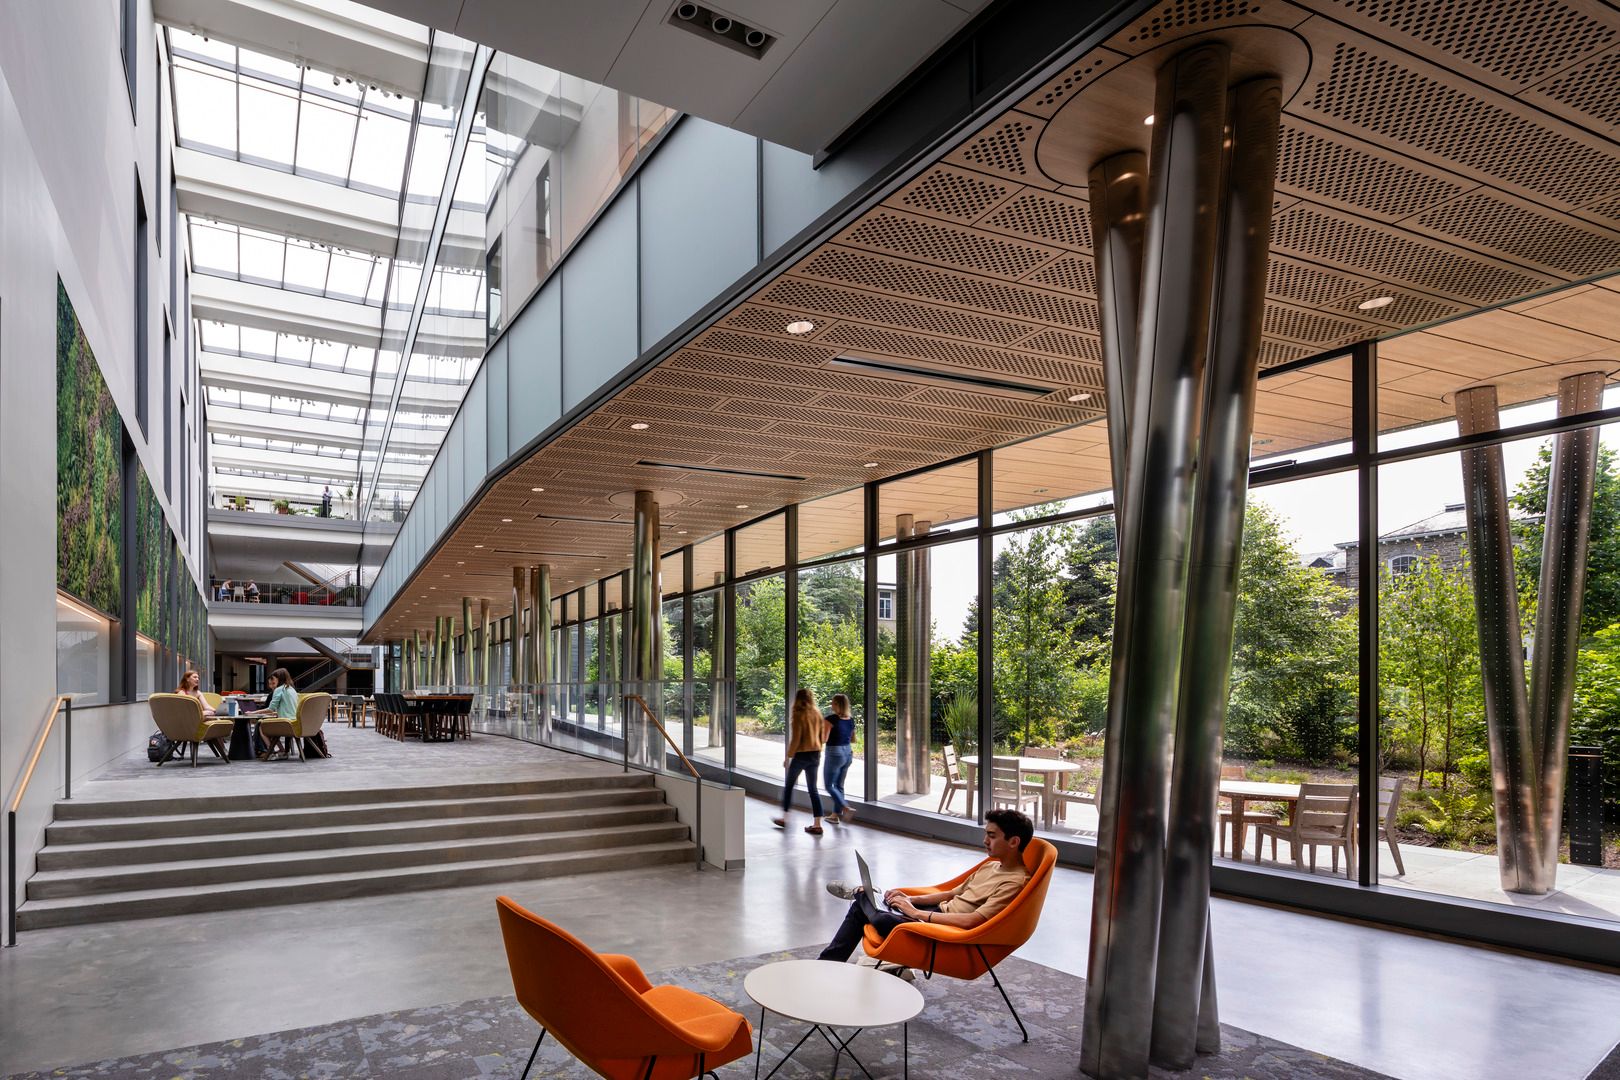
(986, 891)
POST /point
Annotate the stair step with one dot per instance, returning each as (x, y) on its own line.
(206, 873)
(154, 903)
(224, 844)
(79, 809)
(172, 825)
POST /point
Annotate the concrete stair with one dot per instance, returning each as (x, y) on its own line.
(145, 858)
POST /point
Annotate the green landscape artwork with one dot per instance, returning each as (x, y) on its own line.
(151, 539)
(89, 450)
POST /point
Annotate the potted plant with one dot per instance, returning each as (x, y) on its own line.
(240, 502)
(282, 506)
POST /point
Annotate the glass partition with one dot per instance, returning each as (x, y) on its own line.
(832, 647)
(761, 703)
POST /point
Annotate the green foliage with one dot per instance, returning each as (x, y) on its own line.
(1459, 817)
(1293, 665)
(961, 720)
(151, 538)
(1595, 719)
(1600, 603)
(89, 460)
(762, 653)
(1091, 573)
(1429, 668)
(1037, 657)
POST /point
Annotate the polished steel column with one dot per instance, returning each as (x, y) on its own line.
(467, 676)
(911, 645)
(1501, 648)
(1214, 554)
(486, 648)
(643, 658)
(1564, 545)
(539, 644)
(1179, 254)
(1118, 197)
(718, 675)
(520, 590)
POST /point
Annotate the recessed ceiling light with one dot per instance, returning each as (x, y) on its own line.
(537, 489)
(1079, 397)
(742, 506)
(680, 532)
(800, 326)
(446, 575)
(461, 562)
(1148, 120)
(870, 465)
(638, 427)
(478, 545)
(506, 521)
(1375, 303)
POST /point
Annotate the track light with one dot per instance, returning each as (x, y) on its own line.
(754, 38)
(686, 12)
(720, 25)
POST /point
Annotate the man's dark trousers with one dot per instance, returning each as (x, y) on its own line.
(861, 914)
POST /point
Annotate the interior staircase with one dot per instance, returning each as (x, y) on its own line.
(144, 858)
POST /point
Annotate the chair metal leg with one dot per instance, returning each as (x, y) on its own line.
(532, 1054)
(651, 1062)
(1003, 991)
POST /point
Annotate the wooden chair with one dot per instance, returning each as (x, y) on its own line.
(1068, 790)
(953, 777)
(312, 713)
(966, 954)
(180, 718)
(1389, 801)
(1007, 786)
(606, 1013)
(1324, 816)
(1225, 827)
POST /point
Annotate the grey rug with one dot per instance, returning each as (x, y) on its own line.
(964, 1031)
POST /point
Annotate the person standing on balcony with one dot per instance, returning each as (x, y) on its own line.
(326, 501)
(838, 731)
(805, 735)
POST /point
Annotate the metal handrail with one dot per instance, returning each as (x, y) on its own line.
(22, 788)
(697, 780)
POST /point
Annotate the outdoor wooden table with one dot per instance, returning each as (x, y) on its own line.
(1049, 769)
(1242, 792)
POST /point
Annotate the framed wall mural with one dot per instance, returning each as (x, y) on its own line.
(89, 457)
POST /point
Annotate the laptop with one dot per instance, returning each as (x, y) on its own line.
(873, 894)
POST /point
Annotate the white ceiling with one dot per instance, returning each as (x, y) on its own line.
(832, 60)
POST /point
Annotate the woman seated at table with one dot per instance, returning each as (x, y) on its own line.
(283, 704)
(191, 686)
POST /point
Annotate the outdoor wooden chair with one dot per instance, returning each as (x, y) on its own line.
(953, 777)
(1070, 787)
(1324, 816)
(1007, 786)
(1389, 801)
(934, 949)
(1250, 817)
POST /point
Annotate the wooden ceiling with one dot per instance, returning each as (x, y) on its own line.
(1450, 157)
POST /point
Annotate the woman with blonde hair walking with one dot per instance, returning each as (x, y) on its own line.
(806, 736)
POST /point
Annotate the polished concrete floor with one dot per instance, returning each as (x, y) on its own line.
(1404, 1005)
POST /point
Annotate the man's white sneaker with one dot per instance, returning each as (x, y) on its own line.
(842, 890)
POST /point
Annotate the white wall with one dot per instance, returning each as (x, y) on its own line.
(70, 148)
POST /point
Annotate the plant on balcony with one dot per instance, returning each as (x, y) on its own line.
(282, 506)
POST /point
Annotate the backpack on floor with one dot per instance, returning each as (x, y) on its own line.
(157, 746)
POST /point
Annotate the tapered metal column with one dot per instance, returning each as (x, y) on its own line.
(1501, 649)
(717, 665)
(1118, 198)
(540, 641)
(1221, 489)
(642, 655)
(486, 648)
(1558, 607)
(558, 702)
(467, 676)
(520, 580)
(1182, 231)
(911, 670)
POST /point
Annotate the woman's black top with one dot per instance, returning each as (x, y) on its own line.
(843, 729)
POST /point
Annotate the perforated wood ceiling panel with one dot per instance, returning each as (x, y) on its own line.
(1446, 156)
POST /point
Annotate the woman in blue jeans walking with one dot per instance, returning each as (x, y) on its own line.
(840, 729)
(806, 733)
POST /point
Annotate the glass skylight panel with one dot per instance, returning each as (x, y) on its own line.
(213, 248)
(429, 160)
(328, 354)
(293, 349)
(205, 106)
(267, 123)
(262, 257)
(380, 144)
(256, 342)
(348, 276)
(277, 69)
(326, 131)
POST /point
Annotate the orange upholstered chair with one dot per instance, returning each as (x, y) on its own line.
(605, 1012)
(967, 954)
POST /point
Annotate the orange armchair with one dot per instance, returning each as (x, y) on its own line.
(605, 1012)
(967, 954)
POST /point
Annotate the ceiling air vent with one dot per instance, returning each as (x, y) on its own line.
(721, 29)
(872, 365)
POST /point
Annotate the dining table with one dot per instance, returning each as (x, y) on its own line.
(1242, 792)
(1048, 769)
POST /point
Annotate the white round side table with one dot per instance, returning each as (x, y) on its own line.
(827, 995)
